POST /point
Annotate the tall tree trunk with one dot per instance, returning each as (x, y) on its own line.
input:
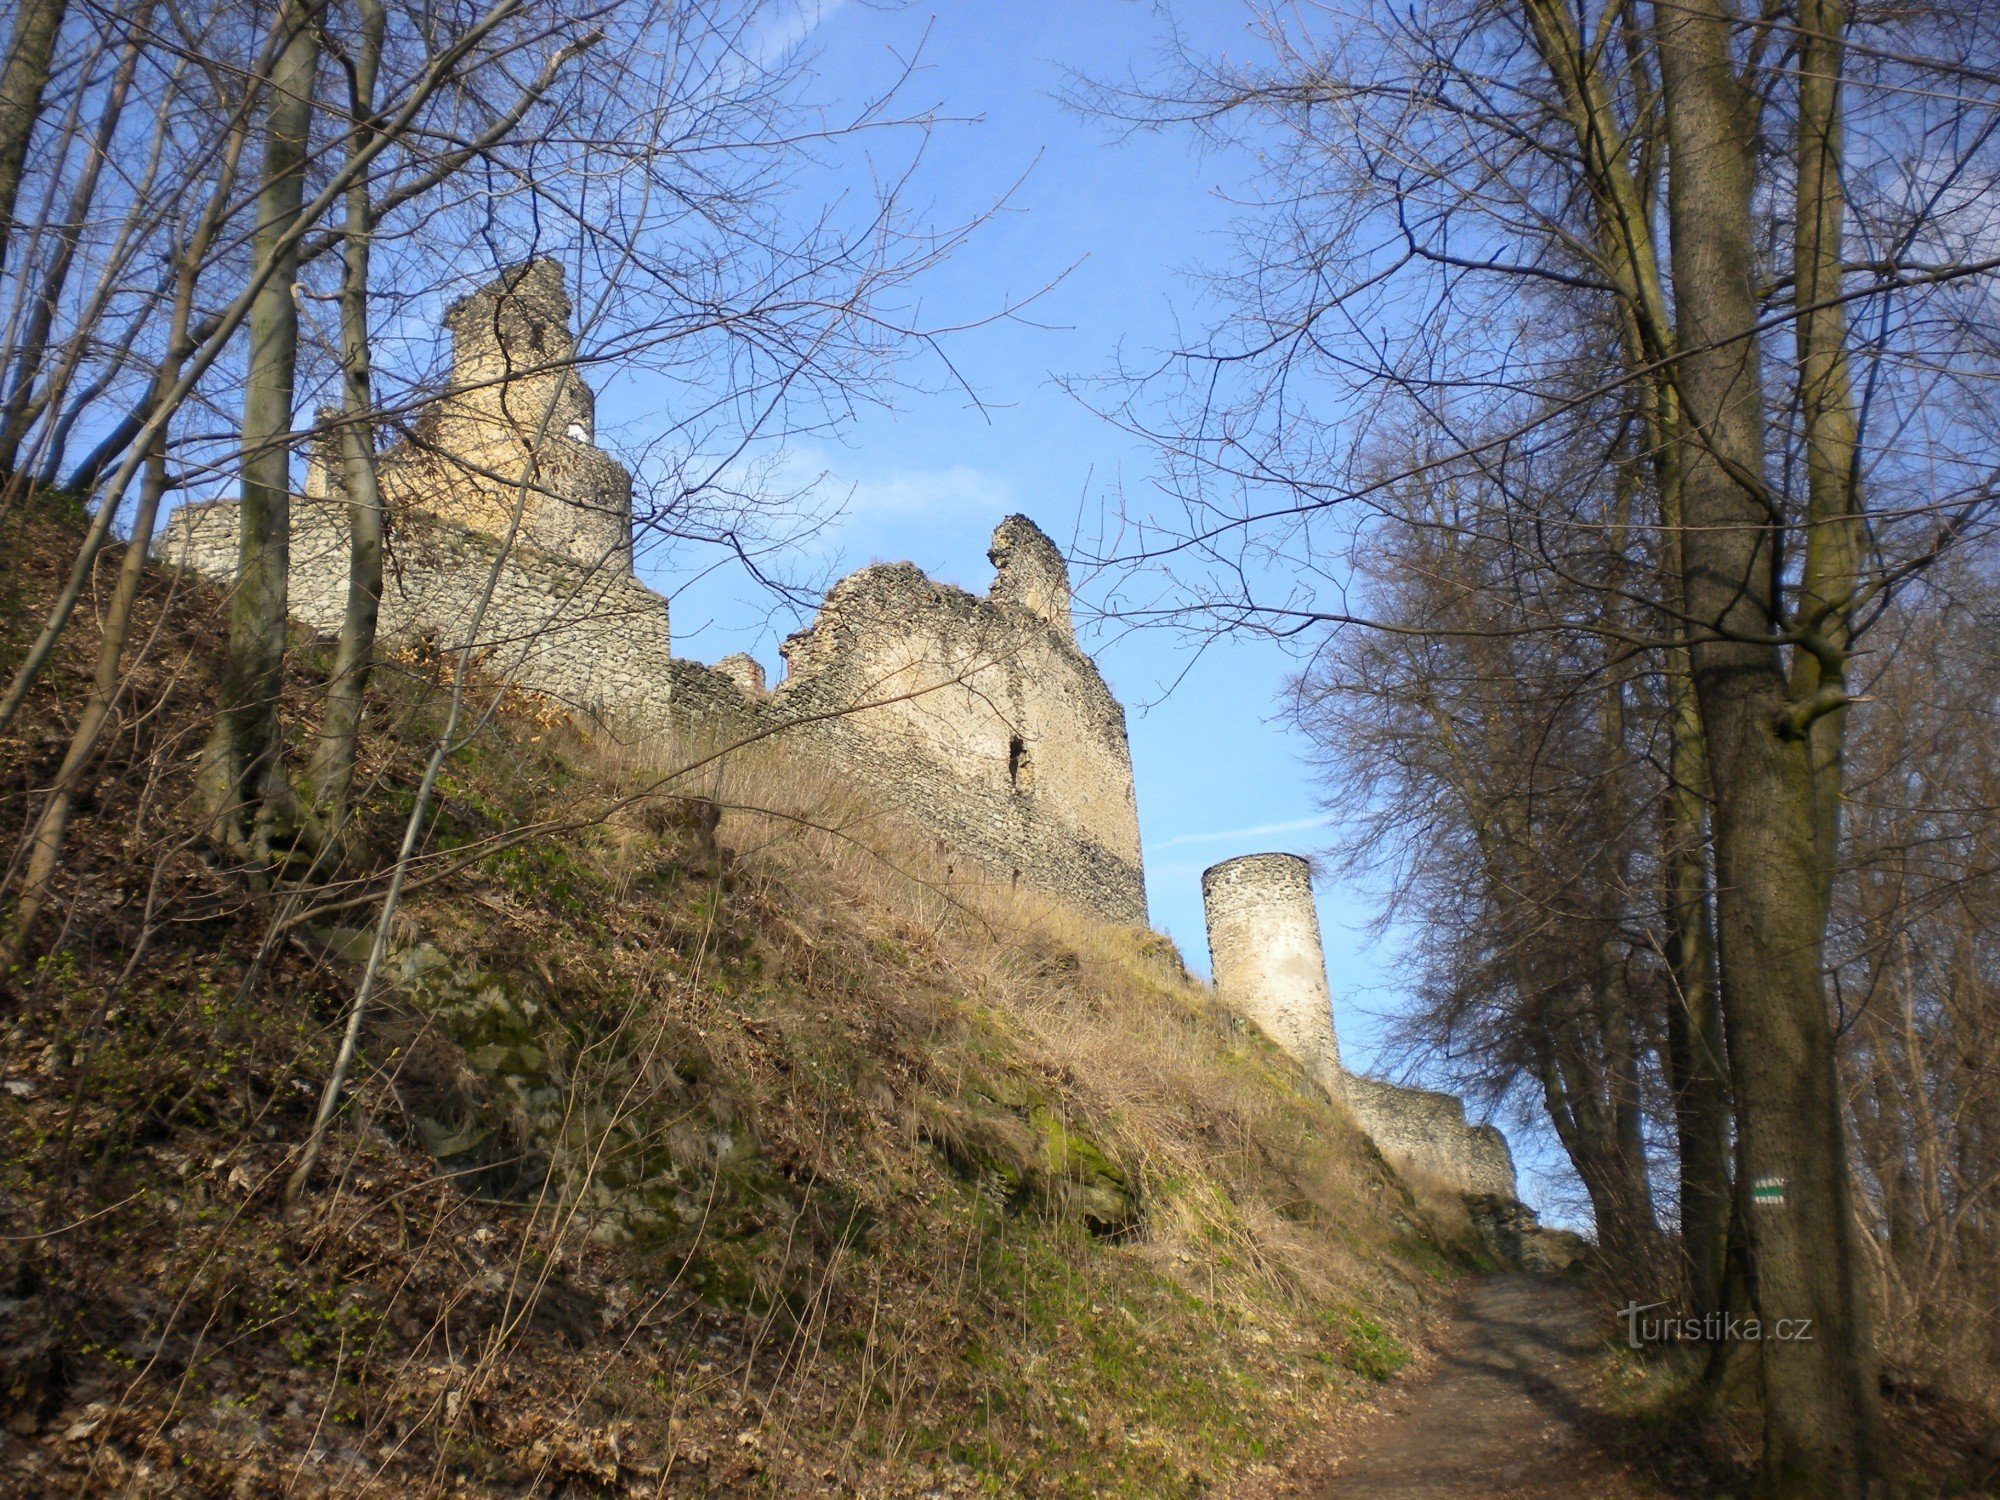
(1772, 870)
(37, 24)
(1834, 539)
(1629, 258)
(340, 726)
(1695, 1057)
(248, 794)
(23, 403)
(46, 842)
(1617, 1023)
(1580, 1096)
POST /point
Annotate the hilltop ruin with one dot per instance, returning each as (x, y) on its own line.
(978, 718)
(1264, 945)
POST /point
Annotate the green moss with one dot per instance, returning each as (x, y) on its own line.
(1367, 1348)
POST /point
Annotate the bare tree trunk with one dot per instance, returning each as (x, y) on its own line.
(245, 778)
(21, 404)
(1772, 871)
(1697, 1060)
(340, 727)
(1833, 539)
(37, 25)
(1621, 1069)
(1695, 1057)
(1627, 254)
(1578, 1095)
(46, 842)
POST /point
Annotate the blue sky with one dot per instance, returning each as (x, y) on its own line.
(1122, 226)
(1118, 225)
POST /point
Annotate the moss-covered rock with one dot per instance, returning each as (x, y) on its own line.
(1022, 1152)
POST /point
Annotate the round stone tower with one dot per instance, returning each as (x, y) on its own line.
(1264, 944)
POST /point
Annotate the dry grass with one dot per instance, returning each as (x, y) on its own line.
(719, 1139)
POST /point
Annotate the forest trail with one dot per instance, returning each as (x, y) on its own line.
(1507, 1411)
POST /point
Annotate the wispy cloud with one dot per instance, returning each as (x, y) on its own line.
(789, 24)
(1229, 834)
(910, 492)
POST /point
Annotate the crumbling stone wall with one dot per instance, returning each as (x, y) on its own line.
(1430, 1130)
(1269, 963)
(979, 719)
(515, 428)
(591, 637)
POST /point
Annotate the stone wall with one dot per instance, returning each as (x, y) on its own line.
(1269, 963)
(978, 719)
(593, 638)
(981, 717)
(1429, 1130)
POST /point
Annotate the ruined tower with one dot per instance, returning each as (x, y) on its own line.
(517, 428)
(1264, 944)
(499, 477)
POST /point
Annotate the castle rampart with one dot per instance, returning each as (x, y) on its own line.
(1429, 1129)
(592, 638)
(1269, 963)
(983, 716)
(978, 719)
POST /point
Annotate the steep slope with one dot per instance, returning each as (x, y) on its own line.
(708, 1140)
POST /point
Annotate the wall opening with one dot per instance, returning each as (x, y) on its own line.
(1020, 768)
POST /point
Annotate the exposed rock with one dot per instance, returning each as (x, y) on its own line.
(1516, 1237)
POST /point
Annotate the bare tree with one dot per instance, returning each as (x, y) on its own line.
(1431, 172)
(340, 721)
(30, 46)
(249, 791)
(1504, 775)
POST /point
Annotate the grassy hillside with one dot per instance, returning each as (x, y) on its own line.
(712, 1138)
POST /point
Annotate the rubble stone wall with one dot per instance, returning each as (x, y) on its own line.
(976, 718)
(981, 718)
(1428, 1130)
(591, 637)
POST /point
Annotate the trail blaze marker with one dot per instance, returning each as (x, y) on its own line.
(1768, 1192)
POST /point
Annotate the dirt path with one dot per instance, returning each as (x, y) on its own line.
(1506, 1411)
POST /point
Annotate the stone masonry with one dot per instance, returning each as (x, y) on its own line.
(1264, 947)
(978, 719)
(1269, 963)
(982, 715)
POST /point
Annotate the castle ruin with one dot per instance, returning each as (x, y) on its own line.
(1264, 947)
(978, 719)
